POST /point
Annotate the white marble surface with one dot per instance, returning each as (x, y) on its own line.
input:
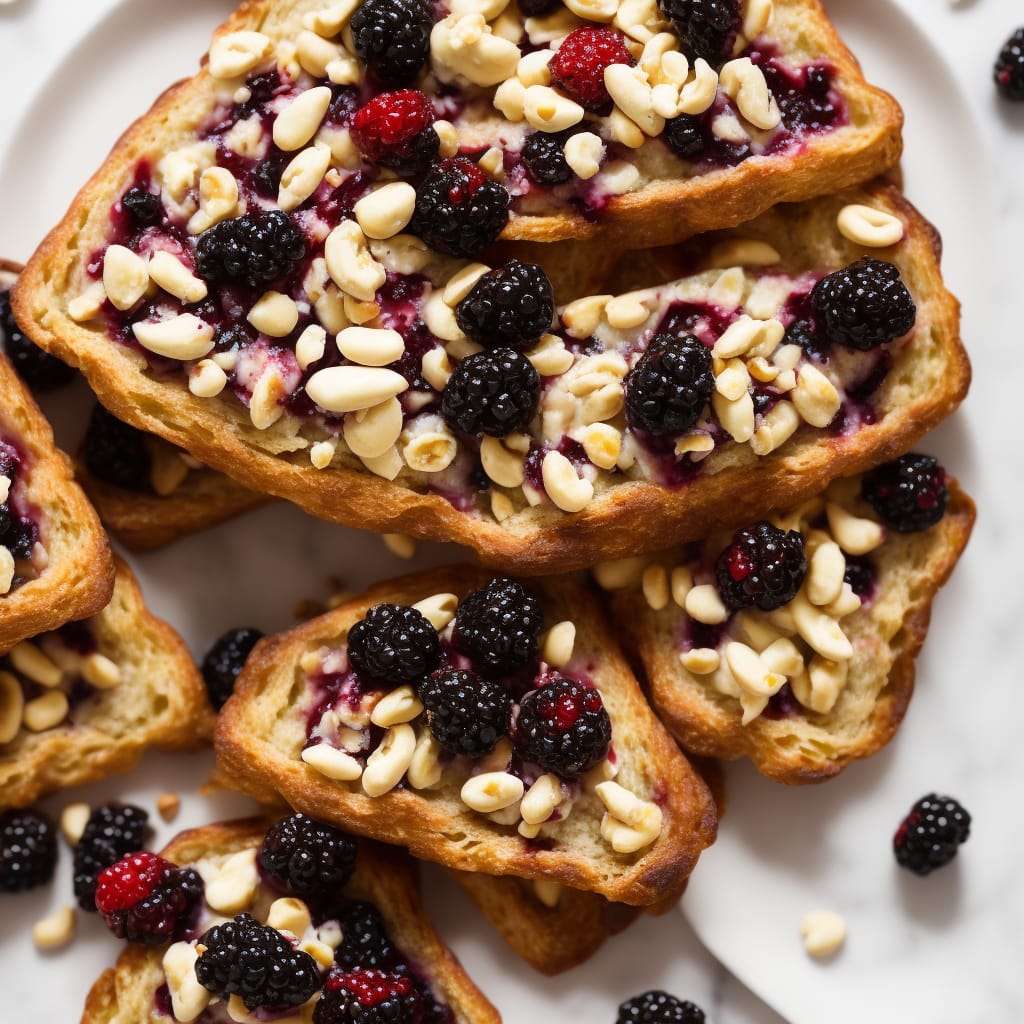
(779, 849)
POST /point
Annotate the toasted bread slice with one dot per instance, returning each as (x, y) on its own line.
(823, 707)
(676, 489)
(61, 567)
(130, 683)
(264, 731)
(384, 877)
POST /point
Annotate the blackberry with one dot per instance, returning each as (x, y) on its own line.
(466, 713)
(656, 1007)
(144, 898)
(910, 493)
(28, 850)
(112, 831)
(544, 159)
(459, 210)
(930, 835)
(494, 393)
(369, 997)
(864, 305)
(762, 566)
(563, 726)
(253, 249)
(225, 660)
(256, 962)
(394, 644)
(393, 37)
(511, 306)
(307, 856)
(1009, 70)
(498, 625)
(804, 334)
(115, 452)
(38, 369)
(143, 207)
(669, 387)
(706, 28)
(684, 136)
(365, 941)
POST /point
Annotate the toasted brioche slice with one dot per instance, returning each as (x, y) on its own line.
(464, 487)
(280, 702)
(384, 877)
(805, 708)
(61, 566)
(129, 683)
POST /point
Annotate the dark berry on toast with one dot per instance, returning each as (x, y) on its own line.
(510, 306)
(499, 624)
(393, 37)
(251, 250)
(544, 158)
(466, 713)
(670, 386)
(365, 996)
(394, 644)
(365, 941)
(763, 567)
(38, 369)
(308, 857)
(395, 129)
(578, 66)
(684, 136)
(494, 393)
(910, 493)
(706, 28)
(115, 452)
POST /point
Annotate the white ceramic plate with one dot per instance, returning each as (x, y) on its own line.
(780, 851)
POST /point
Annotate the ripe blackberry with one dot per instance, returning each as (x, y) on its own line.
(395, 129)
(706, 28)
(578, 66)
(763, 566)
(251, 960)
(253, 249)
(28, 850)
(225, 660)
(804, 334)
(494, 393)
(929, 836)
(498, 625)
(369, 997)
(864, 305)
(537, 8)
(511, 306)
(115, 452)
(910, 493)
(656, 1007)
(112, 831)
(365, 941)
(684, 137)
(393, 37)
(466, 713)
(144, 898)
(459, 210)
(38, 369)
(669, 387)
(143, 207)
(563, 727)
(394, 644)
(544, 159)
(1009, 70)
(307, 856)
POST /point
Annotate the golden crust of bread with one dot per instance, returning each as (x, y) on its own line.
(260, 736)
(887, 636)
(930, 376)
(79, 575)
(160, 702)
(383, 876)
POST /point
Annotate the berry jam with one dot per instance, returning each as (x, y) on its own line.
(19, 519)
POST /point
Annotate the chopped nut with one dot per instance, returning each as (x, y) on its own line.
(206, 379)
(99, 671)
(351, 388)
(184, 337)
(232, 888)
(302, 177)
(274, 315)
(188, 997)
(704, 604)
(864, 225)
(398, 706)
(492, 791)
(558, 645)
(56, 930)
(583, 153)
(550, 111)
(125, 276)
(823, 932)
(73, 820)
(237, 53)
(386, 211)
(541, 800)
(370, 433)
(701, 661)
(568, 491)
(30, 661)
(169, 273)
(333, 763)
(654, 584)
(401, 545)
(438, 610)
(854, 534)
(390, 761)
(299, 121)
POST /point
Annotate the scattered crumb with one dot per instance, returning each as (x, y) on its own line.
(168, 805)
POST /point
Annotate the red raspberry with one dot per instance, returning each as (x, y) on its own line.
(144, 898)
(578, 66)
(369, 997)
(394, 129)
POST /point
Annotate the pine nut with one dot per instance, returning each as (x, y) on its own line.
(386, 211)
(854, 534)
(492, 791)
(169, 273)
(750, 671)
(846, 604)
(58, 929)
(701, 661)
(619, 573)
(703, 604)
(302, 177)
(558, 644)
(371, 346)
(315, 53)
(390, 761)
(449, 139)
(549, 111)
(533, 68)
(778, 425)
(462, 283)
(541, 800)
(188, 997)
(12, 706)
(815, 396)
(218, 199)
(548, 893)
(329, 21)
(700, 92)
(505, 468)
(744, 82)
(743, 252)
(99, 671)
(463, 44)
(584, 152)
(274, 315)
(310, 347)
(333, 763)
(821, 631)
(321, 454)
(438, 610)
(825, 574)
(864, 225)
(550, 357)
(299, 121)
(265, 407)
(622, 129)
(386, 466)
(823, 932)
(510, 100)
(568, 491)
(232, 888)
(430, 452)
(583, 316)
(184, 337)
(756, 16)
(736, 416)
(46, 712)
(87, 305)
(237, 53)
(733, 380)
(654, 584)
(827, 679)
(680, 584)
(697, 445)
(745, 333)
(351, 388)
(628, 87)
(125, 276)
(370, 433)
(30, 661)
(288, 914)
(625, 312)
(350, 264)
(783, 656)
(394, 708)
(425, 768)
